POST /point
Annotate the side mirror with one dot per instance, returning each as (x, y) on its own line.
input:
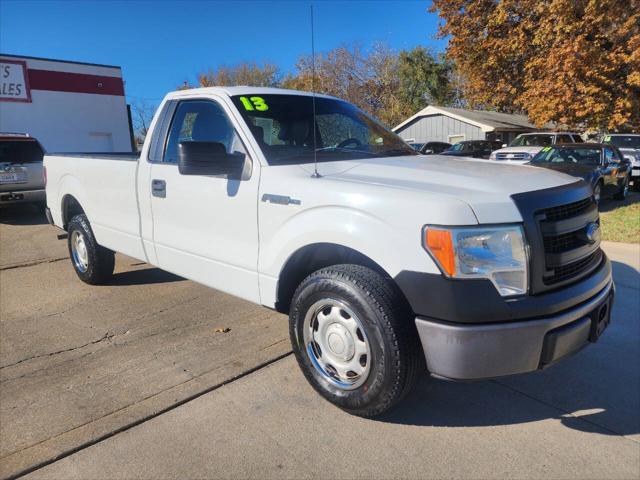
(504, 145)
(208, 158)
(428, 152)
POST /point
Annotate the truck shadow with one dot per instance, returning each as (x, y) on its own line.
(609, 204)
(147, 276)
(23, 214)
(597, 390)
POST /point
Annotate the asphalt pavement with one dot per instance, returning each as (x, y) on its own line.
(138, 379)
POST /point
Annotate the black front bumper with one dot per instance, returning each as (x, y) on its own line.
(472, 301)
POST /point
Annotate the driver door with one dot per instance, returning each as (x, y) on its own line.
(205, 226)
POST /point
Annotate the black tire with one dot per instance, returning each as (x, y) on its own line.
(597, 193)
(100, 261)
(396, 357)
(624, 189)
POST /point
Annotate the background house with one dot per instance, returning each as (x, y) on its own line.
(452, 125)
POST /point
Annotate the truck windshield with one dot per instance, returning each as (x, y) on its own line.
(623, 141)
(283, 127)
(532, 141)
(20, 151)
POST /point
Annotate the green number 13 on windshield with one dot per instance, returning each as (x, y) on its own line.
(254, 103)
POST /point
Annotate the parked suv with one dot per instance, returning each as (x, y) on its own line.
(629, 146)
(526, 145)
(21, 173)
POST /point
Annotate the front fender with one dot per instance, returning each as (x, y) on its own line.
(392, 248)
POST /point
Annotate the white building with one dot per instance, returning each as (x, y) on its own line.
(67, 106)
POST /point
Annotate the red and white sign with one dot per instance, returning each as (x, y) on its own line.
(14, 81)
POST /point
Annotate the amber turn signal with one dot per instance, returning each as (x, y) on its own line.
(440, 245)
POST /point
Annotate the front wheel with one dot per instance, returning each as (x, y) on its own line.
(355, 339)
(93, 263)
(597, 192)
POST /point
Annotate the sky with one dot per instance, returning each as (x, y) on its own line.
(160, 44)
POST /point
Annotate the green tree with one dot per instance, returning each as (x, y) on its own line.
(424, 79)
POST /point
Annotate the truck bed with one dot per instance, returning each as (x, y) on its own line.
(106, 190)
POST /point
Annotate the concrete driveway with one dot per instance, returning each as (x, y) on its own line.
(133, 380)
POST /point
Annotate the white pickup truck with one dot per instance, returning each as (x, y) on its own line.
(381, 258)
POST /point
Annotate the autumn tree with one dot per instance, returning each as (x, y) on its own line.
(366, 79)
(572, 62)
(244, 73)
(386, 84)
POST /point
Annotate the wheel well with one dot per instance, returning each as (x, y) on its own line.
(70, 208)
(313, 257)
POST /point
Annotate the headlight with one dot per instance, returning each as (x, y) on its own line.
(527, 157)
(496, 253)
(492, 156)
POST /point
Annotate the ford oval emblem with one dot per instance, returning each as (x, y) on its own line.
(592, 233)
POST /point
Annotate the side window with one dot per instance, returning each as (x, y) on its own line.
(563, 139)
(609, 155)
(200, 121)
(617, 155)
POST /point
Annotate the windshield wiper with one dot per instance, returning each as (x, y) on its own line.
(343, 150)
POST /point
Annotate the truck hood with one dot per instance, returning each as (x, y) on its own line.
(484, 185)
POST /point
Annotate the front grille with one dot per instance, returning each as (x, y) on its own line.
(569, 210)
(569, 253)
(566, 272)
(512, 156)
(562, 243)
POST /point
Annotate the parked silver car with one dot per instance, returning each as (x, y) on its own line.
(21, 172)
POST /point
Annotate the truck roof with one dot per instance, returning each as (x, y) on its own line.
(243, 90)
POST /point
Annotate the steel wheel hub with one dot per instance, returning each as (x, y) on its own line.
(79, 251)
(336, 344)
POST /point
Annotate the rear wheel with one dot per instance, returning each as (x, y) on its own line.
(355, 339)
(93, 264)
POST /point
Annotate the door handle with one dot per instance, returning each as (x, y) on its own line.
(159, 188)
